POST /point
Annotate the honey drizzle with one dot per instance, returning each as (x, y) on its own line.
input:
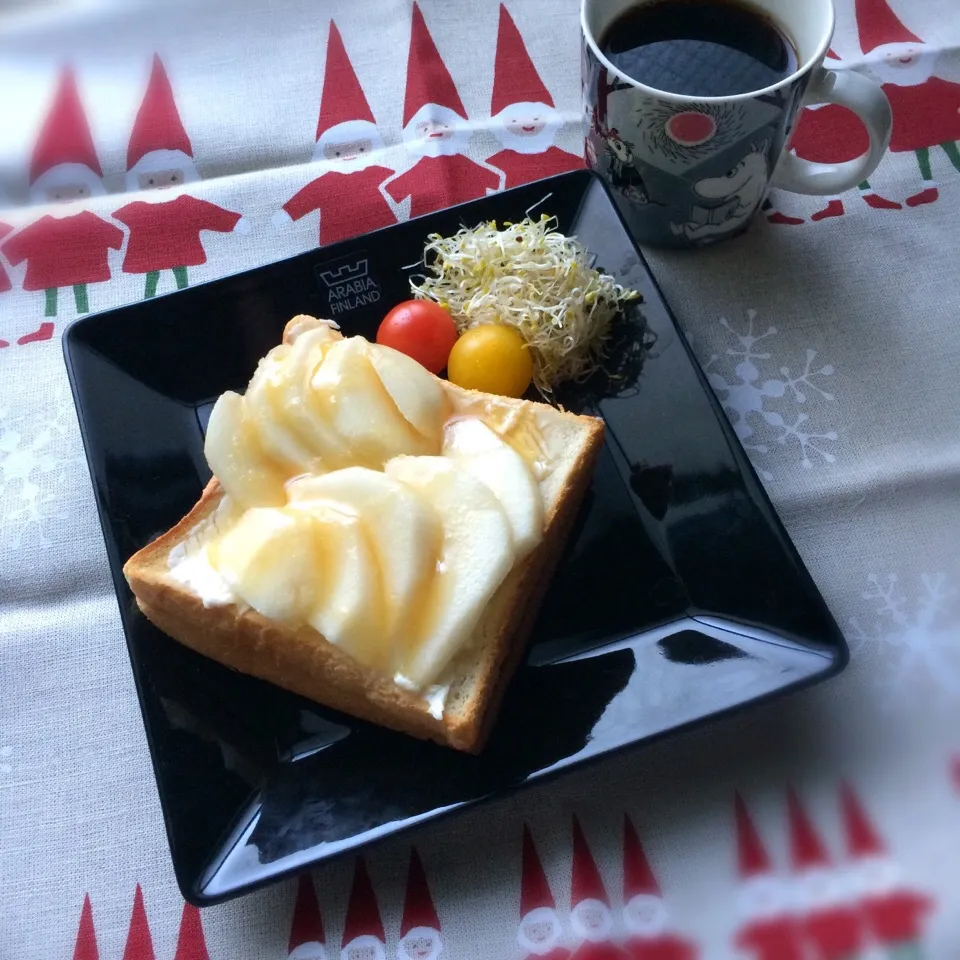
(516, 425)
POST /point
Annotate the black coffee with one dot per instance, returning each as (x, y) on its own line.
(699, 48)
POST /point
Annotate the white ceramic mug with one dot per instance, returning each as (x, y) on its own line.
(689, 171)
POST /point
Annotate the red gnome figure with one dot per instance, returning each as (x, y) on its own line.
(539, 933)
(420, 926)
(525, 119)
(165, 223)
(590, 914)
(363, 935)
(191, 943)
(894, 914)
(926, 108)
(64, 248)
(768, 927)
(139, 942)
(644, 912)
(830, 922)
(347, 194)
(826, 133)
(433, 128)
(306, 928)
(86, 946)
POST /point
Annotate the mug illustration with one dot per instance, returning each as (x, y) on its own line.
(624, 173)
(688, 171)
(728, 200)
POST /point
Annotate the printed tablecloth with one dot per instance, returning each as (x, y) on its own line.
(824, 825)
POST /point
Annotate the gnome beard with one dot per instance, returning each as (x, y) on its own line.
(162, 175)
(645, 915)
(902, 64)
(875, 877)
(820, 888)
(435, 131)
(365, 947)
(527, 127)
(308, 951)
(539, 931)
(349, 147)
(421, 943)
(64, 183)
(762, 898)
(591, 920)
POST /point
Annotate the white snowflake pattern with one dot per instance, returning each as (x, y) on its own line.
(30, 447)
(749, 400)
(915, 636)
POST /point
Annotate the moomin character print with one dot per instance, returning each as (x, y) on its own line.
(729, 199)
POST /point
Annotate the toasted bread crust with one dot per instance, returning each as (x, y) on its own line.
(302, 661)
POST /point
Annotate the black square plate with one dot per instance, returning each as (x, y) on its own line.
(679, 578)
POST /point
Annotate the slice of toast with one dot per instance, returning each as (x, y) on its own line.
(301, 660)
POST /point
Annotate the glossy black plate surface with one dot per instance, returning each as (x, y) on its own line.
(678, 579)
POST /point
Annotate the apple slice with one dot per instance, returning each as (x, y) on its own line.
(291, 402)
(266, 397)
(347, 392)
(476, 448)
(303, 324)
(269, 558)
(419, 395)
(475, 557)
(351, 612)
(404, 532)
(232, 448)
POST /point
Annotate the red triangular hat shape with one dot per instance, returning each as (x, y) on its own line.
(158, 125)
(342, 97)
(428, 80)
(65, 134)
(831, 55)
(191, 944)
(86, 945)
(139, 942)
(637, 876)
(515, 78)
(877, 25)
(534, 889)
(752, 857)
(418, 908)
(307, 924)
(806, 847)
(586, 883)
(862, 839)
(363, 914)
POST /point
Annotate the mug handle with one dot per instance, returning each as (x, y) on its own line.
(868, 101)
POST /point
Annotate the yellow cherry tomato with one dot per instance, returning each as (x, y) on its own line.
(491, 358)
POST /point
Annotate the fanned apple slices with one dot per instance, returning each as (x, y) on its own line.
(322, 403)
(374, 537)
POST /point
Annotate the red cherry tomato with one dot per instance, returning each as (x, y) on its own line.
(421, 329)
